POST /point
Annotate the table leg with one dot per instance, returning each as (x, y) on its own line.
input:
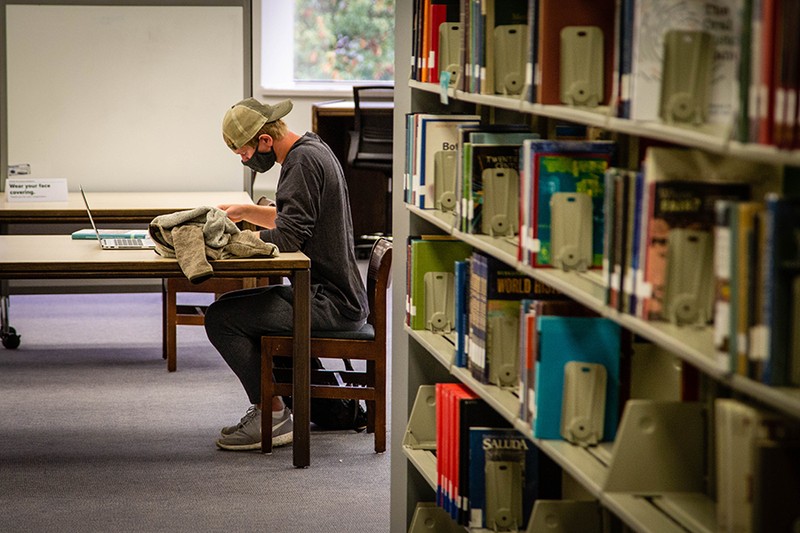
(8, 334)
(301, 373)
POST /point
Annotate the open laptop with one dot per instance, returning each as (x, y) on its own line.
(116, 244)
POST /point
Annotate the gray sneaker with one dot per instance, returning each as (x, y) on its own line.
(230, 430)
(283, 429)
(247, 435)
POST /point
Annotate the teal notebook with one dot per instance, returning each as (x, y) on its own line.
(110, 234)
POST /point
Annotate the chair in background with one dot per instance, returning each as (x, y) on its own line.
(371, 141)
(367, 344)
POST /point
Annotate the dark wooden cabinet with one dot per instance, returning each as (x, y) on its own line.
(333, 122)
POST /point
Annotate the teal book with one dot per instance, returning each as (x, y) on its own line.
(562, 166)
(563, 340)
(89, 234)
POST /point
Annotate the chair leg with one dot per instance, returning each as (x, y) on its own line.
(380, 406)
(266, 402)
(371, 406)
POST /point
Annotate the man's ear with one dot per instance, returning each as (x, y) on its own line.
(266, 139)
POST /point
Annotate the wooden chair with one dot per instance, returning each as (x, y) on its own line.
(368, 344)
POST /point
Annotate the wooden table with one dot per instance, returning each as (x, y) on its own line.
(107, 208)
(59, 256)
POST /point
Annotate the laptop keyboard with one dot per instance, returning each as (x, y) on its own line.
(129, 242)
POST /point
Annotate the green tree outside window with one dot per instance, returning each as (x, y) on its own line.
(344, 40)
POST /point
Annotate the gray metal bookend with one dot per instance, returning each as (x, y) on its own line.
(565, 516)
(421, 427)
(659, 448)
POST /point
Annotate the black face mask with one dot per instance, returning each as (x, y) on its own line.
(261, 162)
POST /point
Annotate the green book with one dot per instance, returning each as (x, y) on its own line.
(435, 258)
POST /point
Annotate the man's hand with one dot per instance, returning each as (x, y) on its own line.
(235, 212)
(260, 215)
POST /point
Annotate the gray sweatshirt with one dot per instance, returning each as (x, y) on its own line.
(314, 217)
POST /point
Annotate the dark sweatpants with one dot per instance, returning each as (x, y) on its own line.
(235, 323)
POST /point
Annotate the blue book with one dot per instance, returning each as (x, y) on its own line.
(462, 311)
(507, 474)
(565, 339)
(781, 287)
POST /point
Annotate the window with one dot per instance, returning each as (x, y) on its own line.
(325, 45)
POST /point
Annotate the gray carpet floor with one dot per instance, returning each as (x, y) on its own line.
(99, 437)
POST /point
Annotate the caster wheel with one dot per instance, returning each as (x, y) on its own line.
(11, 339)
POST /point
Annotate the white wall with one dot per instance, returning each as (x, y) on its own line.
(94, 92)
(122, 97)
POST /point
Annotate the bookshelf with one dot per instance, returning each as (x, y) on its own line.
(422, 358)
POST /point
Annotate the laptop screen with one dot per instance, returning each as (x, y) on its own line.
(89, 212)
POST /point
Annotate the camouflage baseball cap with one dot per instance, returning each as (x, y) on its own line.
(243, 120)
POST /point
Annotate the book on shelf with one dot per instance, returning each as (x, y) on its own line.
(507, 474)
(446, 433)
(476, 52)
(787, 78)
(474, 412)
(624, 58)
(781, 282)
(458, 410)
(432, 281)
(653, 21)
(745, 439)
(531, 310)
(492, 171)
(723, 274)
(763, 70)
(550, 167)
(617, 230)
(527, 358)
(440, 12)
(595, 344)
(462, 298)
(553, 17)
(110, 234)
(737, 264)
(681, 187)
(776, 483)
(463, 191)
(532, 59)
(744, 259)
(408, 160)
(497, 290)
(432, 134)
(505, 46)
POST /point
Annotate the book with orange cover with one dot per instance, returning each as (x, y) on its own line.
(554, 15)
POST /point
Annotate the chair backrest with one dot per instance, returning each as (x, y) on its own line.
(373, 113)
(378, 277)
